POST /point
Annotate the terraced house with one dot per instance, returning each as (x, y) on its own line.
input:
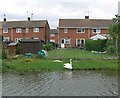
(17, 30)
(74, 32)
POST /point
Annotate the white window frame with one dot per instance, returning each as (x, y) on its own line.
(98, 30)
(82, 30)
(80, 41)
(67, 41)
(17, 39)
(65, 30)
(6, 38)
(36, 29)
(18, 30)
(27, 30)
(5, 31)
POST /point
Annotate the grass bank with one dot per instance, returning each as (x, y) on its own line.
(25, 65)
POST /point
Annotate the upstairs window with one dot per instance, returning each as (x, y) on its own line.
(80, 30)
(18, 30)
(36, 29)
(96, 30)
(27, 30)
(5, 30)
(65, 30)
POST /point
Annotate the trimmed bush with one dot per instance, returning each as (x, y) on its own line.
(96, 45)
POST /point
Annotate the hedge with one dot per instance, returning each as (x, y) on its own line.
(96, 45)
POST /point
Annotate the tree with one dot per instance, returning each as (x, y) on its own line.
(114, 31)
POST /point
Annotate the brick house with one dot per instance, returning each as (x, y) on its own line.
(74, 32)
(54, 35)
(35, 29)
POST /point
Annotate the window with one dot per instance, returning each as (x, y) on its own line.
(6, 39)
(5, 30)
(96, 30)
(18, 30)
(27, 30)
(67, 41)
(80, 30)
(80, 41)
(65, 30)
(36, 29)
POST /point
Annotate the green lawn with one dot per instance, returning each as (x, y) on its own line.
(95, 62)
(75, 54)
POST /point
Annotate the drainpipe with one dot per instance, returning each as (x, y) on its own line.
(58, 38)
(12, 34)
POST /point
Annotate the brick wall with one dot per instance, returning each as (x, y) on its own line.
(74, 35)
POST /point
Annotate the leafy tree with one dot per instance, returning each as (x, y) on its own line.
(114, 31)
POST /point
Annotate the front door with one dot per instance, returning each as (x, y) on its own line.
(63, 43)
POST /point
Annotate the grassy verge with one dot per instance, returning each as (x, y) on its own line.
(22, 65)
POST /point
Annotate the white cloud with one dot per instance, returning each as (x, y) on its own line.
(52, 10)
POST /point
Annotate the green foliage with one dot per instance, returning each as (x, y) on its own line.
(114, 28)
(4, 54)
(18, 48)
(111, 49)
(54, 45)
(47, 47)
(96, 45)
(20, 65)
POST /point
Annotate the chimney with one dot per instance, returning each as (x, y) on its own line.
(4, 19)
(28, 18)
(86, 17)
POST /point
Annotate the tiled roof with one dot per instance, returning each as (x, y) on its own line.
(53, 31)
(14, 24)
(71, 23)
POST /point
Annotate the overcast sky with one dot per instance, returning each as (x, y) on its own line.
(52, 10)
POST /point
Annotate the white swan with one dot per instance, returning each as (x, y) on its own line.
(68, 65)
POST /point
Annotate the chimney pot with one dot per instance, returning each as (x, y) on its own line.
(28, 18)
(86, 17)
(4, 19)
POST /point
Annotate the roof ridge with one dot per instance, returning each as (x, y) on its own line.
(82, 19)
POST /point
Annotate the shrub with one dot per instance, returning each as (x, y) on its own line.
(54, 45)
(47, 47)
(111, 49)
(96, 45)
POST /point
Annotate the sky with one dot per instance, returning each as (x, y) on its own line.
(53, 10)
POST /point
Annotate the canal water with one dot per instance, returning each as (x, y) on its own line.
(61, 83)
